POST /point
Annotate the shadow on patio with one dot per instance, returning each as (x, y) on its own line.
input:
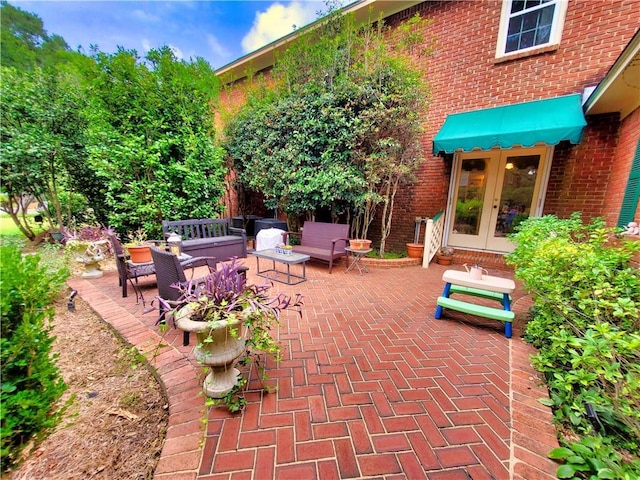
(370, 386)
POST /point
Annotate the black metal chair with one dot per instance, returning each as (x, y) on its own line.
(128, 270)
(170, 272)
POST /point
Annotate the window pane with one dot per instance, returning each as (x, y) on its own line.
(512, 43)
(527, 38)
(531, 3)
(543, 36)
(546, 15)
(517, 6)
(530, 21)
(515, 26)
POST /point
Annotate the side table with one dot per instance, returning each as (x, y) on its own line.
(357, 256)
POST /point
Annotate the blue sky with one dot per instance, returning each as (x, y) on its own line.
(218, 31)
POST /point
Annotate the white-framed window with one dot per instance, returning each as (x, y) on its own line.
(526, 25)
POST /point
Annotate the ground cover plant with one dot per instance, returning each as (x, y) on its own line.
(586, 326)
(31, 381)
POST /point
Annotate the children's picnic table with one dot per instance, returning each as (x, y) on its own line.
(493, 288)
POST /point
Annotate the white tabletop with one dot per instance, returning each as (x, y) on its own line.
(488, 282)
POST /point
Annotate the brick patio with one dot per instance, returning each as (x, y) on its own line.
(370, 386)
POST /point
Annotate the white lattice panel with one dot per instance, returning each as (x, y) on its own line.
(433, 237)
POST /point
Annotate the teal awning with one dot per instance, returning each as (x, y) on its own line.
(525, 124)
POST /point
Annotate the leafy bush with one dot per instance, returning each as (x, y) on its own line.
(31, 383)
(586, 328)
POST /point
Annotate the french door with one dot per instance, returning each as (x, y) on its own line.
(492, 192)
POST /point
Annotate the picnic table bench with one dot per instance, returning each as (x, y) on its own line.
(490, 287)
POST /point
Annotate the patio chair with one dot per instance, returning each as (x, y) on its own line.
(170, 273)
(127, 270)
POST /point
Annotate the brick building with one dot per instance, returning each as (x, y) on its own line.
(534, 110)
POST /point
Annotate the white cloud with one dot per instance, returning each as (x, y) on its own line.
(177, 52)
(146, 45)
(277, 21)
(216, 47)
(144, 16)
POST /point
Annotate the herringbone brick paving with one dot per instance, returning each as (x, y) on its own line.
(370, 386)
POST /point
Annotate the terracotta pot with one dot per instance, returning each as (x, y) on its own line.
(139, 253)
(444, 259)
(359, 244)
(219, 354)
(415, 250)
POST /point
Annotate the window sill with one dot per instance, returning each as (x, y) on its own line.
(529, 53)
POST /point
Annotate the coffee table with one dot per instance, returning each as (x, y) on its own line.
(288, 260)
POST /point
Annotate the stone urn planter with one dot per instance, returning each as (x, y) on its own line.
(89, 254)
(220, 343)
(233, 321)
(91, 266)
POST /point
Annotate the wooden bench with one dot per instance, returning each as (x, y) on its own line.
(322, 241)
(209, 237)
(493, 288)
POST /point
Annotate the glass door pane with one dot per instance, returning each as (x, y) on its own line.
(471, 194)
(516, 197)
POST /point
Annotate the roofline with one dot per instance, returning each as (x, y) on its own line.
(622, 62)
(264, 57)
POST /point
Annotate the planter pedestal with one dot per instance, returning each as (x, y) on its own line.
(92, 269)
(219, 354)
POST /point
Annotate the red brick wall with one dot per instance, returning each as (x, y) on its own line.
(580, 174)
(464, 75)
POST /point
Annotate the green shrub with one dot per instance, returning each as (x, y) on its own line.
(31, 383)
(586, 327)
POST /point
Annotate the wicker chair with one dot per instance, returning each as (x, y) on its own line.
(170, 273)
(127, 270)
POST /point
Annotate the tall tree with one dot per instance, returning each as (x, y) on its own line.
(340, 128)
(24, 42)
(152, 139)
(41, 140)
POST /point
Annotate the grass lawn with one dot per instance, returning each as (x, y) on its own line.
(8, 229)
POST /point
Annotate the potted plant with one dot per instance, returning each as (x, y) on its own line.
(444, 256)
(232, 320)
(138, 247)
(415, 250)
(359, 244)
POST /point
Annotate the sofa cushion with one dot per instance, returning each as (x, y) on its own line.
(202, 242)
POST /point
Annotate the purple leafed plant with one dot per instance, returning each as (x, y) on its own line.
(226, 291)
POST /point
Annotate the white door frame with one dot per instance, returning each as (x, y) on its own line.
(537, 204)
